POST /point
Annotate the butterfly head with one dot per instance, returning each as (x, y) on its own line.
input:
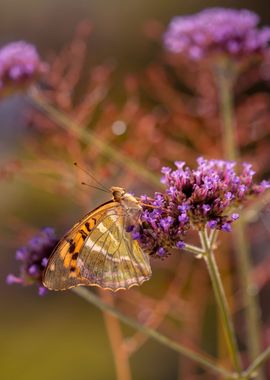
(128, 201)
(118, 193)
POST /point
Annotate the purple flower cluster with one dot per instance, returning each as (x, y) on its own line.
(204, 197)
(19, 64)
(34, 257)
(216, 30)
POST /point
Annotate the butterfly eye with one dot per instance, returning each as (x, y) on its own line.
(118, 193)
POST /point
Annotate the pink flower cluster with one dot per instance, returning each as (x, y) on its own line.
(19, 64)
(230, 31)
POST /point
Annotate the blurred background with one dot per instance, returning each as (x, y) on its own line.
(60, 336)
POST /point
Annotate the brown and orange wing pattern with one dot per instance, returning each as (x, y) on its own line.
(98, 251)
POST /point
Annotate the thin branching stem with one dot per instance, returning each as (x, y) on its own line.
(120, 354)
(63, 121)
(251, 371)
(202, 360)
(193, 249)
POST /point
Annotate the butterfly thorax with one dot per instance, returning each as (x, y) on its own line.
(129, 203)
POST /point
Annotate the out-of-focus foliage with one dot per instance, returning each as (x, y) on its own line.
(123, 119)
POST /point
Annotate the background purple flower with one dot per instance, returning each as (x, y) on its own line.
(205, 196)
(213, 30)
(19, 64)
(34, 257)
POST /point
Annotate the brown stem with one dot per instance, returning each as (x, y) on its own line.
(121, 357)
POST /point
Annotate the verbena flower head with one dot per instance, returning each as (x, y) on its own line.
(34, 257)
(20, 64)
(216, 30)
(204, 197)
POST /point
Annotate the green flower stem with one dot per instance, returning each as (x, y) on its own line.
(251, 371)
(64, 121)
(200, 359)
(212, 238)
(225, 74)
(193, 249)
(222, 302)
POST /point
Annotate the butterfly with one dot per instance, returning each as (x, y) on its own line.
(99, 251)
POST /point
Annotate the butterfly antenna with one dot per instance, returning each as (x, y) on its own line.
(154, 207)
(94, 187)
(103, 188)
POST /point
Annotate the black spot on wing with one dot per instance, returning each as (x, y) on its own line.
(75, 256)
(72, 245)
(83, 234)
(87, 225)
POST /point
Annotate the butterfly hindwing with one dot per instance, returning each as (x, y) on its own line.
(110, 257)
(98, 251)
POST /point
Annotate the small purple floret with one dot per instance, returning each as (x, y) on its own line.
(44, 261)
(42, 291)
(235, 216)
(212, 224)
(161, 252)
(180, 244)
(226, 227)
(33, 270)
(11, 279)
(20, 254)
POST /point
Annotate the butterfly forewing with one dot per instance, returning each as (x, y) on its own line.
(98, 251)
